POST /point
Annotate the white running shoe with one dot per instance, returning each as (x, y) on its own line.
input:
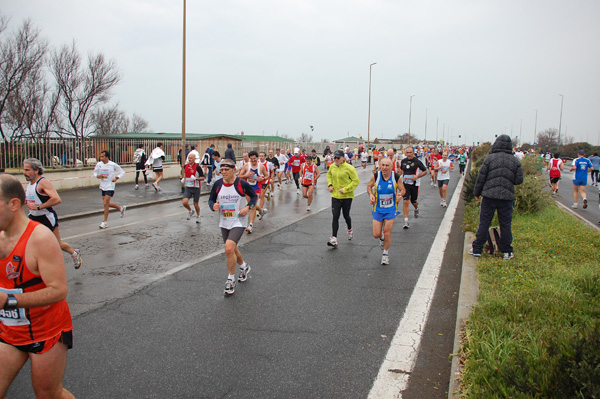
(155, 186)
(103, 225)
(249, 228)
(198, 219)
(263, 213)
(190, 214)
(229, 287)
(123, 208)
(77, 261)
(406, 225)
(243, 276)
(333, 242)
(350, 234)
(308, 209)
(137, 187)
(385, 259)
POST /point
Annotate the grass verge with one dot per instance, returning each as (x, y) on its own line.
(535, 332)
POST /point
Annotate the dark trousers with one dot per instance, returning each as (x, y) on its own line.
(296, 178)
(342, 205)
(139, 168)
(209, 178)
(488, 209)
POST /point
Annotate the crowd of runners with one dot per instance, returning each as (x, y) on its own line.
(35, 322)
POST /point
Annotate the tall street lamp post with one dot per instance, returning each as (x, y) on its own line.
(369, 119)
(409, 115)
(560, 121)
(425, 125)
(183, 160)
(534, 129)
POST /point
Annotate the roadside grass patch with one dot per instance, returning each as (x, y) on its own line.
(535, 332)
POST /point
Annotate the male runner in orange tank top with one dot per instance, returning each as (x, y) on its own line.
(35, 323)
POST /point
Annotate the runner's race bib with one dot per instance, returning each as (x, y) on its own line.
(386, 200)
(228, 210)
(408, 179)
(30, 199)
(190, 181)
(252, 182)
(14, 317)
(309, 176)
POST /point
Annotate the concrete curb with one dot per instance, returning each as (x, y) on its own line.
(467, 299)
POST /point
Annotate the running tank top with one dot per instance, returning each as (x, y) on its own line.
(385, 194)
(32, 196)
(308, 174)
(253, 180)
(444, 171)
(266, 165)
(27, 326)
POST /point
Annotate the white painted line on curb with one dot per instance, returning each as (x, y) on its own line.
(400, 359)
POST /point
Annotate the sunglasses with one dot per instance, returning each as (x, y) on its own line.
(227, 166)
(336, 157)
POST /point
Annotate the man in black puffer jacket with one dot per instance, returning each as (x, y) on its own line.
(498, 175)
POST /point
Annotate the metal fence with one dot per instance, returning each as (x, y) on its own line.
(72, 153)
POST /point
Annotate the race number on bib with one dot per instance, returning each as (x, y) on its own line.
(228, 210)
(14, 317)
(408, 179)
(386, 200)
(190, 181)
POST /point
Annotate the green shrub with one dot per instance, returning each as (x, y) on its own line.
(532, 165)
(530, 197)
(469, 184)
(479, 154)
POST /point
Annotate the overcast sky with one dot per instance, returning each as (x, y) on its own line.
(480, 68)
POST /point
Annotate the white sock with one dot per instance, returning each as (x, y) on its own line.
(243, 265)
(231, 277)
(385, 252)
(406, 219)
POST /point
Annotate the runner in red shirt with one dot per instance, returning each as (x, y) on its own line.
(35, 322)
(310, 173)
(296, 162)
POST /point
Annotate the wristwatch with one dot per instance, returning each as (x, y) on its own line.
(38, 207)
(11, 302)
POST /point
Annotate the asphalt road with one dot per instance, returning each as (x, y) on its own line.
(565, 197)
(151, 321)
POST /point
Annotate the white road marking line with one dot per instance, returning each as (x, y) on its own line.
(401, 357)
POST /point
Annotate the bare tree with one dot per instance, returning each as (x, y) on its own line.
(82, 91)
(111, 120)
(305, 138)
(138, 124)
(108, 120)
(21, 59)
(548, 139)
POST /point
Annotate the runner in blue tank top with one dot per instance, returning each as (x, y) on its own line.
(385, 198)
(581, 166)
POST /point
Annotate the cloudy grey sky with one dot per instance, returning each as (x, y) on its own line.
(479, 67)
